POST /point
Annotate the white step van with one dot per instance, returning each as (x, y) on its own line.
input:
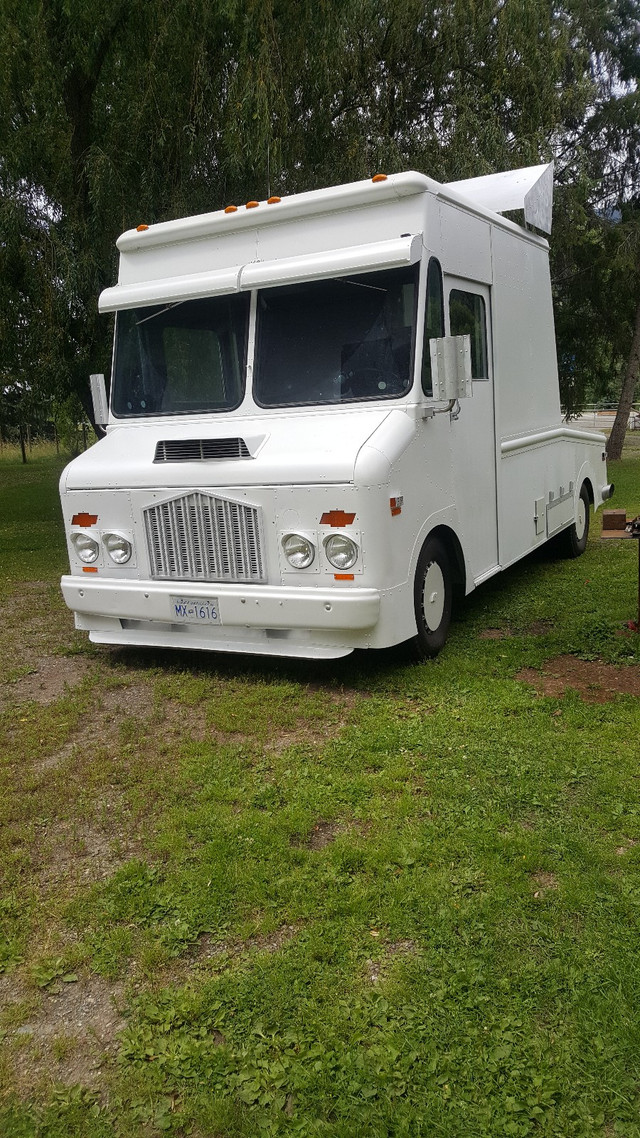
(326, 413)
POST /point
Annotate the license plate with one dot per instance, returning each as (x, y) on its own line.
(195, 610)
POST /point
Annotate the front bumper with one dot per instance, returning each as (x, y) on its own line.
(240, 606)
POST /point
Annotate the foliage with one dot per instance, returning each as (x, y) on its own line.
(135, 110)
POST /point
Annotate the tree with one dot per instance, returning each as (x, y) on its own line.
(124, 111)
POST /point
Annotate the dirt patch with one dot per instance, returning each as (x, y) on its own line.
(322, 834)
(129, 701)
(414, 708)
(376, 969)
(53, 761)
(629, 843)
(595, 681)
(50, 679)
(81, 852)
(68, 1038)
(536, 628)
(211, 953)
(543, 882)
(179, 721)
(208, 948)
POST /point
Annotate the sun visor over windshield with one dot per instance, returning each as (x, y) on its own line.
(333, 263)
(330, 263)
(170, 290)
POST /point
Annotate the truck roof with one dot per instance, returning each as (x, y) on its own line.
(530, 188)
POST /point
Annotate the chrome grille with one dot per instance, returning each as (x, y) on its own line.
(203, 538)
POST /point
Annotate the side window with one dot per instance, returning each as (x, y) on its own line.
(467, 317)
(433, 320)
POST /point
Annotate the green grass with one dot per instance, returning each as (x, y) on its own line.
(459, 956)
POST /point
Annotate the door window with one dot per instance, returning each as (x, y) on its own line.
(467, 317)
(433, 320)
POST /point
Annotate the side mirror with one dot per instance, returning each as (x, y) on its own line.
(451, 367)
(100, 402)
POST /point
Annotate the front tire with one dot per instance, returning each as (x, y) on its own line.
(432, 597)
(572, 542)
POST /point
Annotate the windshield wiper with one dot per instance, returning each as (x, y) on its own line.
(162, 310)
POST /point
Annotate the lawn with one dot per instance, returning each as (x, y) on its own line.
(247, 897)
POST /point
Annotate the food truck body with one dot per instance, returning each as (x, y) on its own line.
(326, 414)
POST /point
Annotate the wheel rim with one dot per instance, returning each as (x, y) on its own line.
(433, 596)
(581, 519)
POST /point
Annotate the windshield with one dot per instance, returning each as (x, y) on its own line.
(336, 341)
(178, 359)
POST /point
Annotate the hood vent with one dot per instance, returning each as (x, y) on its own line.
(200, 450)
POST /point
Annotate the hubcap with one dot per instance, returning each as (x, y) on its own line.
(581, 519)
(433, 596)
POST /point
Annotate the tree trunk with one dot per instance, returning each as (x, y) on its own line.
(619, 429)
(22, 446)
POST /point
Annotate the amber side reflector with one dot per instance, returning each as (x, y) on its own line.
(231, 209)
(273, 201)
(84, 520)
(337, 519)
(379, 178)
(141, 228)
(252, 205)
(343, 576)
(89, 569)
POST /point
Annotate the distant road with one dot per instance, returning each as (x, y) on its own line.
(603, 420)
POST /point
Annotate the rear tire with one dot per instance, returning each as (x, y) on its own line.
(432, 596)
(572, 542)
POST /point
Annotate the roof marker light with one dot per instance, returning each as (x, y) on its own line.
(252, 205)
(273, 201)
(379, 178)
(141, 228)
(231, 209)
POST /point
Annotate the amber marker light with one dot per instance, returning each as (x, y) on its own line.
(252, 205)
(89, 569)
(84, 520)
(273, 201)
(379, 178)
(141, 228)
(336, 576)
(231, 209)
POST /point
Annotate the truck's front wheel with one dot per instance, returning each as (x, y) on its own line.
(572, 542)
(432, 593)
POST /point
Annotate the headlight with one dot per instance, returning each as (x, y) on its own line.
(118, 548)
(341, 551)
(86, 547)
(298, 550)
